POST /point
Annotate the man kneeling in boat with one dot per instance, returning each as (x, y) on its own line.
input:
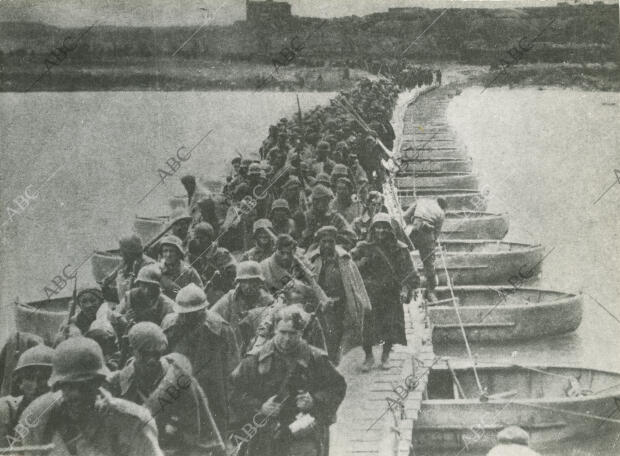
(80, 417)
(166, 387)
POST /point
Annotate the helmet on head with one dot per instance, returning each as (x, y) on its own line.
(320, 191)
(190, 298)
(262, 224)
(172, 241)
(37, 356)
(248, 270)
(77, 359)
(130, 244)
(147, 336)
(280, 204)
(150, 274)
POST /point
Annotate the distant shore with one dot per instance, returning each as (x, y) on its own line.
(200, 75)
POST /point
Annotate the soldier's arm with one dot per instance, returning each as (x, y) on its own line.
(243, 402)
(232, 354)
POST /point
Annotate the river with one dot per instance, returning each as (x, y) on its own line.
(546, 156)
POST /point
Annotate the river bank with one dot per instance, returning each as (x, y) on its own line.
(130, 74)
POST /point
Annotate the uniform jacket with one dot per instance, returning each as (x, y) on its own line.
(118, 428)
(357, 301)
(177, 400)
(234, 307)
(212, 349)
(173, 280)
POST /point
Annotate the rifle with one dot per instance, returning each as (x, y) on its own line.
(73, 306)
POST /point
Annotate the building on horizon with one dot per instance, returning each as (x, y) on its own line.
(261, 12)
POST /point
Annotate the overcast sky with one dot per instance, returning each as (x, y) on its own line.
(68, 13)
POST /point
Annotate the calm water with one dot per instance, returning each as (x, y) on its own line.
(546, 156)
(105, 149)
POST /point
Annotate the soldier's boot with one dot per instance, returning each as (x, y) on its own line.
(368, 363)
(385, 357)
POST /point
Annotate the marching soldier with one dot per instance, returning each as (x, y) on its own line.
(288, 392)
(79, 416)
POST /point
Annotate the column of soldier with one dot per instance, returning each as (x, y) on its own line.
(224, 336)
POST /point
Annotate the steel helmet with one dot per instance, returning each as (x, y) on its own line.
(320, 191)
(262, 224)
(77, 359)
(190, 298)
(280, 204)
(173, 241)
(150, 273)
(255, 169)
(130, 244)
(37, 356)
(340, 170)
(248, 270)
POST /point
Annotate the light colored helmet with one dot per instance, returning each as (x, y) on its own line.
(173, 241)
(77, 359)
(190, 298)
(37, 356)
(247, 270)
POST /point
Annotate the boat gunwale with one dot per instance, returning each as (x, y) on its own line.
(562, 298)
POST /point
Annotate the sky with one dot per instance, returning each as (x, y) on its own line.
(77, 13)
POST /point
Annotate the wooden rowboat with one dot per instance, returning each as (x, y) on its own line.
(437, 165)
(471, 262)
(552, 403)
(500, 314)
(148, 227)
(458, 200)
(474, 225)
(43, 318)
(104, 262)
(432, 180)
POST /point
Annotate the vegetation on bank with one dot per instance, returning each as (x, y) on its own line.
(236, 56)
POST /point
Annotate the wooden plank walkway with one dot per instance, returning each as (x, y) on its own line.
(379, 410)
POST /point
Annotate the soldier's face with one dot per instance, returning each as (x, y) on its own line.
(180, 229)
(284, 256)
(342, 190)
(262, 238)
(170, 255)
(250, 287)
(146, 363)
(321, 205)
(381, 231)
(327, 246)
(89, 304)
(287, 338)
(79, 398)
(33, 381)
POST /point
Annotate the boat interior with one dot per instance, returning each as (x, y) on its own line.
(469, 214)
(487, 296)
(520, 382)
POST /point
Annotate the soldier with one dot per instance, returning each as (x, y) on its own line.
(144, 303)
(374, 205)
(286, 396)
(89, 300)
(224, 277)
(427, 217)
(322, 163)
(194, 194)
(31, 375)
(209, 343)
(339, 277)
(80, 417)
(344, 203)
(320, 215)
(175, 272)
(264, 240)
(166, 387)
(133, 259)
(390, 278)
(17, 343)
(281, 220)
(249, 293)
(200, 249)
